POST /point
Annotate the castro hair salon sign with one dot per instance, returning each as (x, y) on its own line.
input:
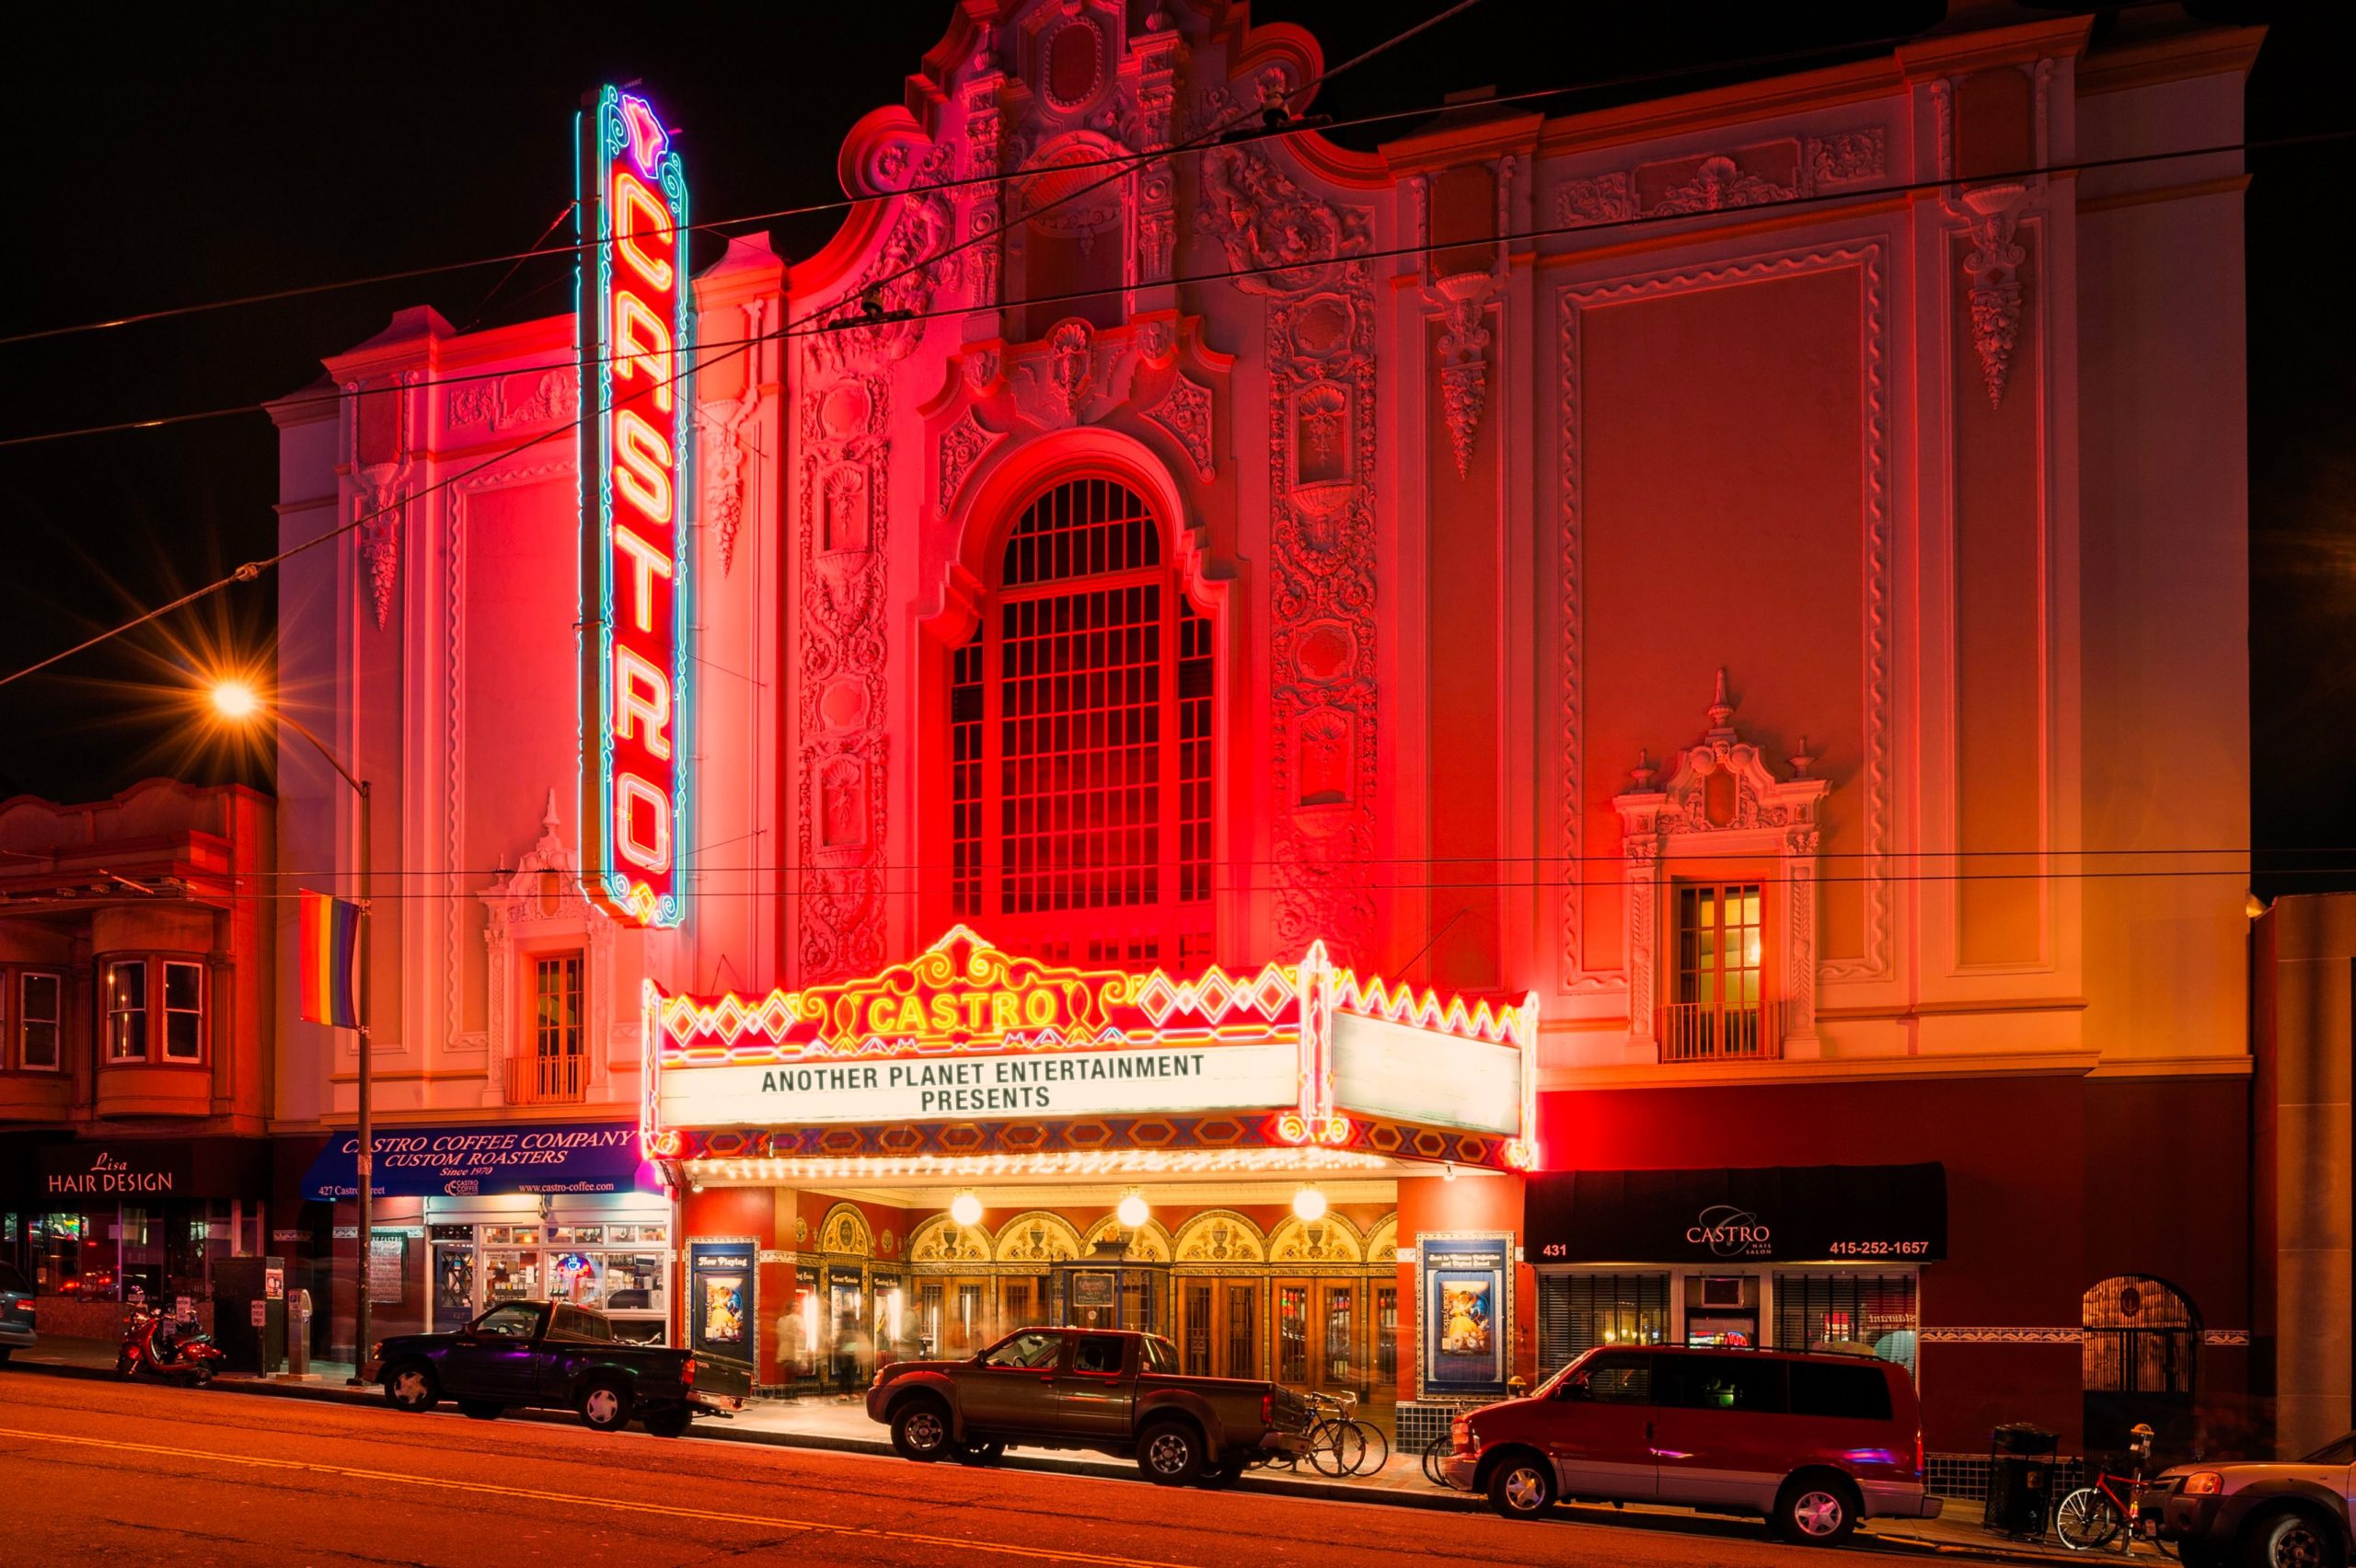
(1784, 1213)
(113, 1171)
(638, 396)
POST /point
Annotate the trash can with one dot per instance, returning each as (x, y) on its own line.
(298, 1334)
(2020, 1480)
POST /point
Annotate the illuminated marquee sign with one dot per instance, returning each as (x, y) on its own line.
(967, 1033)
(638, 394)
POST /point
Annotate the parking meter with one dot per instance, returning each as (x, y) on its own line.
(298, 1334)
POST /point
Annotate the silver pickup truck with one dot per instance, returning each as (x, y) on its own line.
(2281, 1513)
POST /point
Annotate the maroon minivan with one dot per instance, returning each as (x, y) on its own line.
(1813, 1442)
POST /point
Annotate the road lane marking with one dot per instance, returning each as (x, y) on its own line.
(617, 1505)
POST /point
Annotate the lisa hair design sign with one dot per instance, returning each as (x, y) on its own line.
(637, 432)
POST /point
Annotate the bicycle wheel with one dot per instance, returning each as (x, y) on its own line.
(2086, 1520)
(1339, 1446)
(1436, 1454)
(1377, 1452)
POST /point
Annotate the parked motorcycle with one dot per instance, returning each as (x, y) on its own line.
(161, 1347)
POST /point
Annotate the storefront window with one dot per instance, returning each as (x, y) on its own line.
(1578, 1312)
(1292, 1334)
(183, 1012)
(1864, 1313)
(126, 1000)
(41, 1012)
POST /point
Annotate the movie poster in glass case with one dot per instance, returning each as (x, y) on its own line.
(1465, 1337)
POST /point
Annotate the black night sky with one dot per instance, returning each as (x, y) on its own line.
(172, 155)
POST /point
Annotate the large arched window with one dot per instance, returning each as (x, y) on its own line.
(1080, 731)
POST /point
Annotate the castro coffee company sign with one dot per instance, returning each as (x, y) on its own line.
(116, 1171)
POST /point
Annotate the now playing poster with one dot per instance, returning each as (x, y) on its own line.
(1465, 1320)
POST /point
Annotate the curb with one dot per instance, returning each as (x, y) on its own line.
(722, 1430)
(725, 1431)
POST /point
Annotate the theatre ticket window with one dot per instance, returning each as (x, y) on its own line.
(40, 1003)
(1863, 1314)
(126, 1003)
(1080, 763)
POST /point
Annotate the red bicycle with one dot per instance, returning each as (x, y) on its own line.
(2093, 1517)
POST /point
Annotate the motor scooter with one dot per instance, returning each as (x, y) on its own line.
(161, 1348)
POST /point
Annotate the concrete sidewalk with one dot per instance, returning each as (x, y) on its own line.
(839, 1423)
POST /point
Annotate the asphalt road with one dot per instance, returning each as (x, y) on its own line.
(97, 1471)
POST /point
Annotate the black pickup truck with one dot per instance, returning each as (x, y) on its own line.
(551, 1355)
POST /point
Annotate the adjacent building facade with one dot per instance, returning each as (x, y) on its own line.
(1725, 612)
(136, 1053)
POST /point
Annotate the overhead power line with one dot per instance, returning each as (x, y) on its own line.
(809, 324)
(724, 227)
(805, 328)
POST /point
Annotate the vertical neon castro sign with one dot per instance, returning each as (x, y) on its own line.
(638, 396)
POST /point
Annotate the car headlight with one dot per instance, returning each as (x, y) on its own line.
(376, 1351)
(2201, 1483)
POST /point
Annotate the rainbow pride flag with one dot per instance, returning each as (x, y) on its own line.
(330, 960)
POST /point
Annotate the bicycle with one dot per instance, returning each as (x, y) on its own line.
(1436, 1454)
(2091, 1517)
(1339, 1443)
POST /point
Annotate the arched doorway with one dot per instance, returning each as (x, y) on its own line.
(2142, 1362)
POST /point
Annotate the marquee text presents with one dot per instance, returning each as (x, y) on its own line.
(638, 414)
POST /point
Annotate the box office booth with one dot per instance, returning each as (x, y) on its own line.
(915, 1163)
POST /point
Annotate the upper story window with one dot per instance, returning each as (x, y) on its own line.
(126, 1001)
(1718, 1004)
(555, 1070)
(41, 1020)
(1080, 743)
(183, 1012)
(137, 1029)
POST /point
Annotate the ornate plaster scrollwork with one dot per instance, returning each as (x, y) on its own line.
(721, 426)
(1722, 800)
(379, 499)
(1325, 703)
(1992, 213)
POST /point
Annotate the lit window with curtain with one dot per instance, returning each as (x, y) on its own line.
(1719, 1008)
(126, 1005)
(1081, 761)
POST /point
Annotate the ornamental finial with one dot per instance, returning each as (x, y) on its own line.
(1720, 708)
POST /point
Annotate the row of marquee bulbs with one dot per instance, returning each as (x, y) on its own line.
(1132, 1211)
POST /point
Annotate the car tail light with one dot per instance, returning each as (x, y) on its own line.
(1267, 1408)
(688, 1373)
(1459, 1432)
(2202, 1482)
(1918, 1451)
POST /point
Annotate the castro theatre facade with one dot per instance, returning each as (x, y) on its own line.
(1285, 1171)
(1720, 585)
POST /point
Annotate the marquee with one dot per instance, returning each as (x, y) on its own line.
(971, 1051)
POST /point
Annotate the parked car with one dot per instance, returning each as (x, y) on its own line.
(2287, 1514)
(16, 1311)
(553, 1355)
(1813, 1442)
(1112, 1391)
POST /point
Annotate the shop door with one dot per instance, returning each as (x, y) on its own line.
(1239, 1328)
(454, 1285)
(966, 1324)
(1197, 1326)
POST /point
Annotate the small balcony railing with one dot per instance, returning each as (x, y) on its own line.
(1696, 1031)
(558, 1078)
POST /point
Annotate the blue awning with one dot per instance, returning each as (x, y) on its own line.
(546, 1157)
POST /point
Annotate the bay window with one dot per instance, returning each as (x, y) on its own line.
(40, 1014)
(126, 1004)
